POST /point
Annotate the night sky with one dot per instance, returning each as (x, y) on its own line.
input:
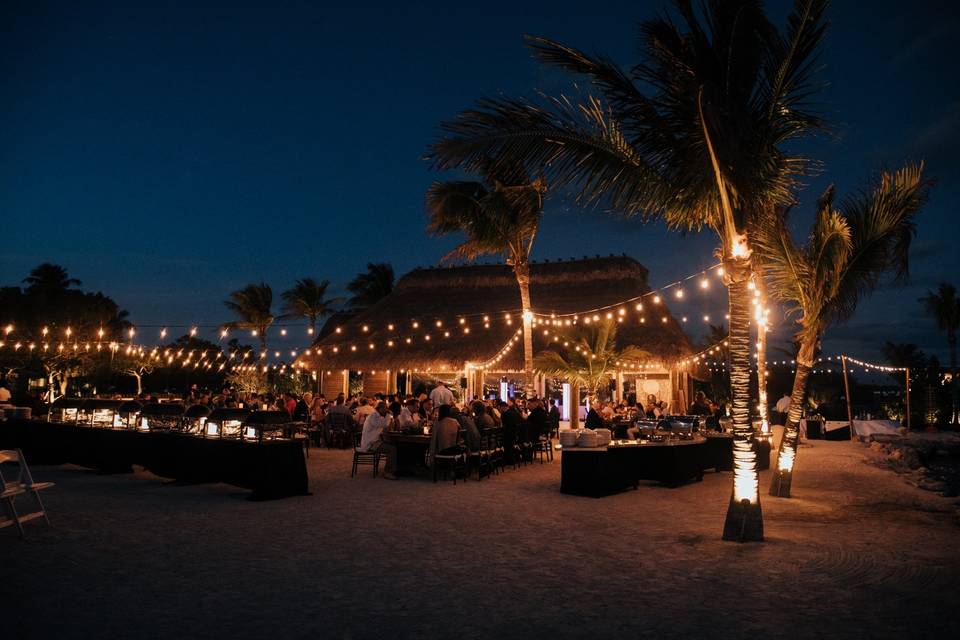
(167, 154)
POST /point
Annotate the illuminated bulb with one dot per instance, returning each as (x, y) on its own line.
(223, 333)
(679, 293)
(389, 343)
(99, 333)
(466, 329)
(439, 323)
(163, 333)
(408, 340)
(622, 311)
(751, 285)
(193, 332)
(46, 331)
(416, 325)
(720, 272)
(283, 332)
(463, 320)
(664, 318)
(353, 347)
(706, 318)
(528, 315)
(684, 318)
(8, 329)
(366, 328)
(310, 330)
(639, 307)
(656, 299)
(339, 330)
(704, 284)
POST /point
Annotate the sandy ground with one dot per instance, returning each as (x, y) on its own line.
(856, 553)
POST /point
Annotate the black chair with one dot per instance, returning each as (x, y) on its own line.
(340, 430)
(453, 459)
(361, 457)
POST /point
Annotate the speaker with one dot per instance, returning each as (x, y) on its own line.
(463, 383)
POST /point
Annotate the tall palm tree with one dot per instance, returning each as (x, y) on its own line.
(848, 251)
(694, 134)
(371, 286)
(944, 306)
(587, 360)
(499, 215)
(49, 277)
(253, 306)
(308, 299)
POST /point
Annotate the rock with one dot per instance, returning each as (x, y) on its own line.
(928, 484)
(876, 446)
(911, 458)
(896, 454)
(923, 470)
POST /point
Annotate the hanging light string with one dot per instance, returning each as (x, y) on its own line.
(501, 354)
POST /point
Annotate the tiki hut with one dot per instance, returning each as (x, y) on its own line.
(456, 324)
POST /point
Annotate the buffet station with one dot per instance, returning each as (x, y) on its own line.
(670, 451)
(190, 445)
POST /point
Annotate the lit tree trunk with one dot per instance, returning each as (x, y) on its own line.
(787, 452)
(522, 271)
(575, 406)
(761, 317)
(139, 380)
(744, 522)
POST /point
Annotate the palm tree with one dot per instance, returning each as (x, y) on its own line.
(944, 306)
(695, 135)
(587, 359)
(501, 216)
(308, 299)
(49, 277)
(371, 286)
(848, 251)
(253, 306)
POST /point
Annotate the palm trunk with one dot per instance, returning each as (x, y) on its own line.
(574, 406)
(522, 271)
(139, 382)
(744, 522)
(787, 452)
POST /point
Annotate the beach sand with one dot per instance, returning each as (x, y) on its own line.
(857, 552)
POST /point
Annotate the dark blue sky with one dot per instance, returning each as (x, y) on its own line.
(169, 152)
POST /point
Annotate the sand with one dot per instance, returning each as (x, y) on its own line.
(857, 552)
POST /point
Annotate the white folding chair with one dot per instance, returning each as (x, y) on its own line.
(22, 485)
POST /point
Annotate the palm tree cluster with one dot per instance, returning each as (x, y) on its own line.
(694, 134)
(305, 300)
(850, 247)
(588, 359)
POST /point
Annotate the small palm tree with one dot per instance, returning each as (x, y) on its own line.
(371, 286)
(499, 216)
(821, 283)
(587, 360)
(253, 306)
(49, 277)
(696, 135)
(944, 307)
(308, 299)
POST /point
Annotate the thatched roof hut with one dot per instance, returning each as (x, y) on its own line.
(440, 319)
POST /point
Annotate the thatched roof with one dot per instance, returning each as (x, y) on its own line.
(425, 296)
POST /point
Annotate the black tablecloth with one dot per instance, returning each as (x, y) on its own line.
(272, 469)
(602, 472)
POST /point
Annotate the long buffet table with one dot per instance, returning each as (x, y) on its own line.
(603, 471)
(270, 469)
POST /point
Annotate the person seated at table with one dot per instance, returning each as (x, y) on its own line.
(700, 405)
(371, 439)
(409, 417)
(594, 419)
(538, 421)
(653, 407)
(365, 409)
(445, 436)
(607, 411)
(426, 409)
(512, 423)
(481, 418)
(471, 434)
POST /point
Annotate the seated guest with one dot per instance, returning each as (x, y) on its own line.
(481, 418)
(409, 416)
(594, 421)
(512, 423)
(653, 407)
(607, 411)
(538, 421)
(471, 434)
(700, 405)
(365, 409)
(445, 436)
(371, 439)
(713, 420)
(426, 408)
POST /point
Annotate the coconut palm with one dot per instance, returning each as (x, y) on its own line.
(587, 359)
(944, 307)
(694, 134)
(49, 277)
(499, 215)
(371, 286)
(849, 249)
(308, 299)
(253, 306)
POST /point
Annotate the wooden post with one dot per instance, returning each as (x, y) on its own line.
(846, 386)
(908, 398)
